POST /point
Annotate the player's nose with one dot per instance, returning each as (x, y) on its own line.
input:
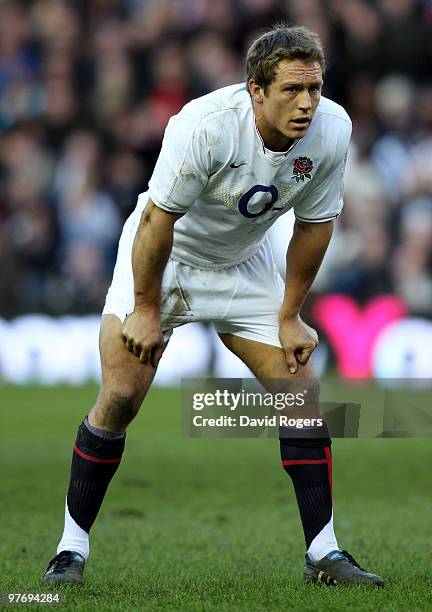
(304, 101)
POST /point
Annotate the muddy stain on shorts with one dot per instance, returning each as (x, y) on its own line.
(174, 301)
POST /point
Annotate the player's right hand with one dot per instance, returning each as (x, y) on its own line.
(143, 336)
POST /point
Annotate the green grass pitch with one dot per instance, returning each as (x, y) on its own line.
(206, 524)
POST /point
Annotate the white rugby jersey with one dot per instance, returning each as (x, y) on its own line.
(214, 166)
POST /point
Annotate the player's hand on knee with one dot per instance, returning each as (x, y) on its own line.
(143, 337)
(298, 340)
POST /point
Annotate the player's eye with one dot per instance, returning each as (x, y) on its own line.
(291, 89)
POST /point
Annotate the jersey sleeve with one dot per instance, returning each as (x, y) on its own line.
(324, 201)
(181, 171)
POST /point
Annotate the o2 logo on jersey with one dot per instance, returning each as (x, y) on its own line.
(259, 206)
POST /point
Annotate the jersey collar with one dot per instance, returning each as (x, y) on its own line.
(274, 157)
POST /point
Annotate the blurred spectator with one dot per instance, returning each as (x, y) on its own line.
(411, 263)
(86, 213)
(213, 63)
(20, 87)
(86, 89)
(113, 85)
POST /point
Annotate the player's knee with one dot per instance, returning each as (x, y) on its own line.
(307, 379)
(119, 404)
(305, 382)
(126, 398)
(297, 399)
(123, 395)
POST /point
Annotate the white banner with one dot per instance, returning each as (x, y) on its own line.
(37, 349)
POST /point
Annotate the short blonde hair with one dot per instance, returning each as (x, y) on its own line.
(281, 42)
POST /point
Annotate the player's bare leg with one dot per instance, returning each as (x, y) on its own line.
(125, 380)
(99, 447)
(264, 360)
(308, 462)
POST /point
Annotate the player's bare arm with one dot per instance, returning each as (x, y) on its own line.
(305, 253)
(151, 250)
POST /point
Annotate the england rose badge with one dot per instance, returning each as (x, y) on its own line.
(302, 167)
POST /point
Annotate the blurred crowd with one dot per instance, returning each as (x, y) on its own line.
(87, 87)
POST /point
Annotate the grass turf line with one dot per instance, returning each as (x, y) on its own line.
(199, 524)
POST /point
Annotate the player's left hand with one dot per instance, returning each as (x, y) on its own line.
(298, 340)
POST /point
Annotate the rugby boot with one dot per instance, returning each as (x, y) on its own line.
(338, 567)
(66, 568)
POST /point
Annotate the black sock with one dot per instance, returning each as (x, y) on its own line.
(95, 461)
(309, 463)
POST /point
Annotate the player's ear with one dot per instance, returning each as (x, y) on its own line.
(256, 91)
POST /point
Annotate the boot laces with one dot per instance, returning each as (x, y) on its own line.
(62, 560)
(351, 559)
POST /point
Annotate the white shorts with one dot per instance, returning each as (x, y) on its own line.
(243, 300)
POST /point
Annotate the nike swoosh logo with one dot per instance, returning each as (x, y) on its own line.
(238, 166)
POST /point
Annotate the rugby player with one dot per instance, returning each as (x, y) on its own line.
(195, 249)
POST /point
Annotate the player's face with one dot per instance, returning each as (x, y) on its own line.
(285, 110)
